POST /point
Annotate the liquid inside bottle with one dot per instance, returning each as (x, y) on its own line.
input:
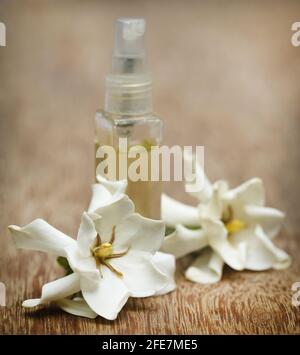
(140, 132)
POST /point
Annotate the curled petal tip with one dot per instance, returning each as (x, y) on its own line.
(13, 228)
(31, 303)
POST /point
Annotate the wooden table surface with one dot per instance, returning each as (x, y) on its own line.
(226, 77)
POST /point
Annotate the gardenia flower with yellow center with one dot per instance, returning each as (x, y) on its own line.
(232, 226)
(115, 256)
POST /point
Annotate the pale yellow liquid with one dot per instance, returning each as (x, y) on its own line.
(146, 195)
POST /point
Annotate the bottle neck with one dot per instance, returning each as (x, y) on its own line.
(128, 95)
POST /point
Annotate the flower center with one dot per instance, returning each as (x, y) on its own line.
(233, 225)
(102, 252)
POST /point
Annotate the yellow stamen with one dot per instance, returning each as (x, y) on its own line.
(234, 226)
(104, 251)
(112, 269)
(227, 214)
(113, 235)
(118, 255)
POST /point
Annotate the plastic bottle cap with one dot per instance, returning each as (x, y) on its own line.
(129, 85)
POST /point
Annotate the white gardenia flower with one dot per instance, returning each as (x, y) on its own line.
(115, 256)
(234, 227)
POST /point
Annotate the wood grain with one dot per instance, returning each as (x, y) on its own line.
(226, 76)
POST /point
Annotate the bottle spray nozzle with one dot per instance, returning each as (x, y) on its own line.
(129, 50)
(129, 85)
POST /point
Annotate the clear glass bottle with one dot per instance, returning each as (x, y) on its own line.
(128, 111)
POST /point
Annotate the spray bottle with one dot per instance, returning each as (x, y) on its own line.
(128, 111)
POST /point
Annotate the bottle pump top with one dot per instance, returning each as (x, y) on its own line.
(129, 85)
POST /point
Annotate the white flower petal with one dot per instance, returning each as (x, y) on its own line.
(221, 186)
(204, 191)
(115, 187)
(106, 297)
(166, 264)
(139, 233)
(56, 290)
(101, 196)
(78, 264)
(86, 235)
(112, 215)
(39, 235)
(77, 307)
(262, 254)
(184, 241)
(270, 219)
(250, 192)
(174, 212)
(207, 268)
(214, 207)
(233, 254)
(140, 275)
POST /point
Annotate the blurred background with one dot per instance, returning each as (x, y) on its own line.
(226, 76)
